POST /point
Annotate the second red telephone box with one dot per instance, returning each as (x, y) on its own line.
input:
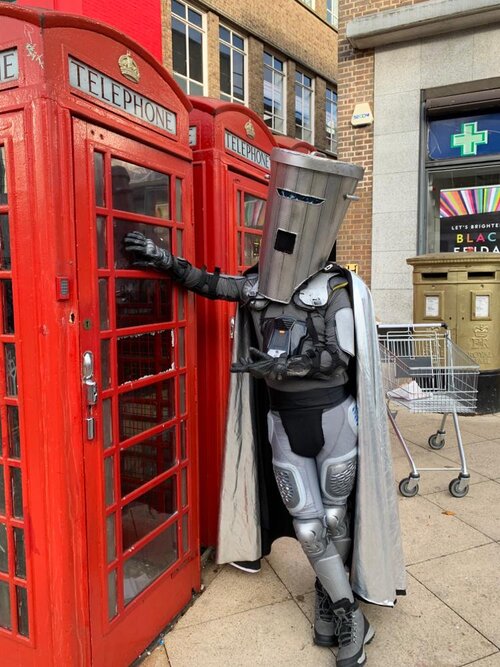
(231, 161)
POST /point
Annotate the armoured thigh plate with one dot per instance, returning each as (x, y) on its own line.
(337, 478)
(337, 482)
(290, 486)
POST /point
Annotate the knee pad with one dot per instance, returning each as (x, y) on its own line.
(311, 533)
(335, 520)
(338, 477)
(290, 486)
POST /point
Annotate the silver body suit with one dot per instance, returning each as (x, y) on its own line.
(314, 488)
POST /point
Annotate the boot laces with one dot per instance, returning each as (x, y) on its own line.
(325, 609)
(348, 628)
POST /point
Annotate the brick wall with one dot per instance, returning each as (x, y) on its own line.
(355, 144)
(286, 23)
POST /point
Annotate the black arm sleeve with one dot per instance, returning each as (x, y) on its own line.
(210, 285)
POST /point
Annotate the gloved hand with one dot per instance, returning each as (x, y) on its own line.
(262, 365)
(145, 253)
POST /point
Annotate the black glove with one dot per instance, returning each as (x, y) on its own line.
(145, 253)
(262, 365)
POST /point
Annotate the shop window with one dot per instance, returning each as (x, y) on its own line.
(274, 93)
(304, 97)
(331, 120)
(463, 184)
(188, 46)
(332, 13)
(464, 210)
(232, 60)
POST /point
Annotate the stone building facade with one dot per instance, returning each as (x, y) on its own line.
(286, 52)
(429, 70)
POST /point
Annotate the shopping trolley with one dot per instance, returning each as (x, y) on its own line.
(425, 371)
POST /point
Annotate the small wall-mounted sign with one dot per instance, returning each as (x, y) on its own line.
(362, 115)
(352, 267)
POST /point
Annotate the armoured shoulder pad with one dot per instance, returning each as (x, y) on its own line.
(318, 289)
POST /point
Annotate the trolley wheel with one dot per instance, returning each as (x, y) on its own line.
(436, 441)
(406, 490)
(457, 490)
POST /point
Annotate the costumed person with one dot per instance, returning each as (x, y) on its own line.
(315, 347)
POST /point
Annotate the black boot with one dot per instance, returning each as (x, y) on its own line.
(354, 633)
(325, 622)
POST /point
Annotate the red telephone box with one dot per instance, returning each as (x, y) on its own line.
(98, 484)
(231, 152)
(291, 144)
(121, 14)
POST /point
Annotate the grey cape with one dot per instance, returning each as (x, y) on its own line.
(377, 567)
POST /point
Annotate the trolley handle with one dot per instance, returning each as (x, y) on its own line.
(386, 328)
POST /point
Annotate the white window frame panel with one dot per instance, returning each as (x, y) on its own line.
(306, 133)
(184, 80)
(332, 13)
(244, 52)
(282, 75)
(331, 137)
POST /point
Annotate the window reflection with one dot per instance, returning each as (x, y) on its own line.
(143, 355)
(141, 301)
(7, 306)
(146, 460)
(254, 211)
(160, 235)
(252, 249)
(143, 408)
(3, 177)
(5, 621)
(148, 563)
(148, 511)
(99, 179)
(140, 190)
(5, 263)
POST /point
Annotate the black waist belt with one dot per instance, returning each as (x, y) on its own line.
(328, 397)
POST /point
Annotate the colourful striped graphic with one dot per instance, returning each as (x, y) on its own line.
(467, 201)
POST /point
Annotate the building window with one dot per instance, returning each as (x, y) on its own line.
(232, 59)
(304, 95)
(274, 93)
(188, 44)
(309, 3)
(332, 12)
(463, 183)
(331, 120)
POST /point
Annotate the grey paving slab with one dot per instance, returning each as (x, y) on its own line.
(468, 582)
(291, 565)
(158, 658)
(428, 533)
(232, 592)
(482, 457)
(490, 661)
(431, 482)
(418, 428)
(420, 631)
(209, 572)
(483, 426)
(277, 634)
(479, 508)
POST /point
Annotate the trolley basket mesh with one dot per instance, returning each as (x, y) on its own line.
(425, 371)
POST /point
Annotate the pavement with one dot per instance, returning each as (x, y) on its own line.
(450, 616)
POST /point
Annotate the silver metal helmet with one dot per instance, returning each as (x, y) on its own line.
(308, 199)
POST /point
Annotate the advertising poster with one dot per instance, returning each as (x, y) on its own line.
(470, 219)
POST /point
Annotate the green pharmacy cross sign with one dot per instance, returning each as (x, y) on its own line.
(469, 139)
